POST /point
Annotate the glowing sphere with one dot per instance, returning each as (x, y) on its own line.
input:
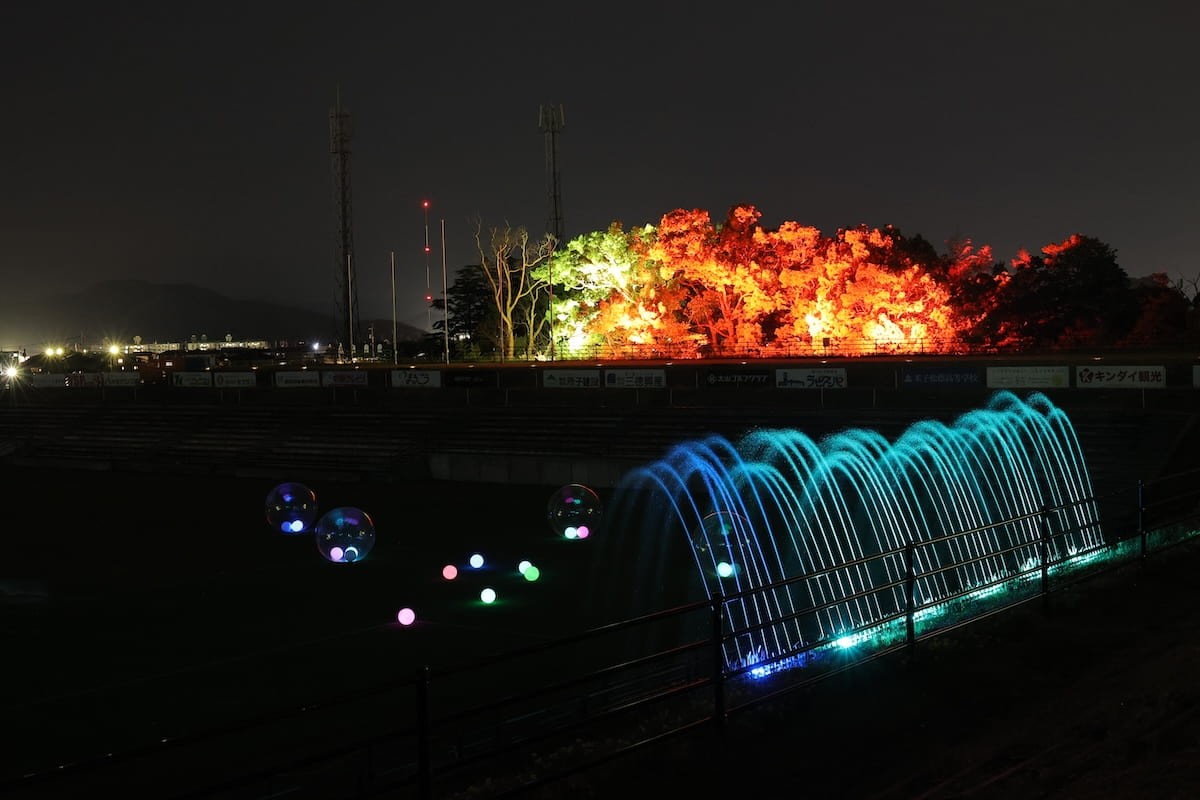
(524, 565)
(291, 508)
(406, 616)
(531, 573)
(717, 538)
(476, 561)
(345, 535)
(574, 511)
(488, 595)
(449, 572)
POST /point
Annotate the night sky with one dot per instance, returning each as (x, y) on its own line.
(189, 142)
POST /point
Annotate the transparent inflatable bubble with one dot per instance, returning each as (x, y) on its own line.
(574, 511)
(716, 539)
(291, 508)
(345, 535)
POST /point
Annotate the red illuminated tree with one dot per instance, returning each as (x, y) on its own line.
(726, 293)
(1162, 314)
(1074, 294)
(740, 288)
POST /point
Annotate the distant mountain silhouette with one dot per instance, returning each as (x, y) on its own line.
(162, 312)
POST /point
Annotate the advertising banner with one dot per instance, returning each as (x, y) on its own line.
(471, 378)
(192, 380)
(1029, 377)
(121, 379)
(235, 380)
(571, 378)
(722, 378)
(289, 379)
(344, 377)
(417, 378)
(1113, 377)
(811, 378)
(940, 378)
(635, 378)
(45, 380)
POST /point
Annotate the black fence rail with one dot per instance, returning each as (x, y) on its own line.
(526, 720)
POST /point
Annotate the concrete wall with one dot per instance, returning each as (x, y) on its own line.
(595, 473)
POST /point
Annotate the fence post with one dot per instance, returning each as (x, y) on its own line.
(1141, 515)
(910, 587)
(718, 625)
(1045, 553)
(424, 766)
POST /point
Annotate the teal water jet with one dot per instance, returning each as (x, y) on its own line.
(719, 518)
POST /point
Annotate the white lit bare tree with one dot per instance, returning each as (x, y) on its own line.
(509, 257)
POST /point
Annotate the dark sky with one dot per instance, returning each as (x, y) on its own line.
(189, 142)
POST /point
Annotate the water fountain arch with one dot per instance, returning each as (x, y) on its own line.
(810, 536)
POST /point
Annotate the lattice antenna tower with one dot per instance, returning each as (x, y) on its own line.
(550, 121)
(340, 133)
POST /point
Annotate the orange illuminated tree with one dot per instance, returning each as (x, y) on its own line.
(689, 287)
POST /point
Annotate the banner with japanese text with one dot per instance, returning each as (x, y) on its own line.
(1120, 377)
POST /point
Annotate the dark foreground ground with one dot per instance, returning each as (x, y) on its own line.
(1094, 697)
(132, 582)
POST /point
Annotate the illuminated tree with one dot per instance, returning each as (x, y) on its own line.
(509, 260)
(970, 277)
(1073, 294)
(717, 275)
(610, 293)
(688, 287)
(1163, 311)
(864, 290)
(585, 272)
(796, 251)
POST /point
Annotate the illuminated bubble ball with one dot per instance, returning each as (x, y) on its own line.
(488, 595)
(449, 572)
(291, 508)
(476, 561)
(406, 616)
(715, 540)
(345, 535)
(574, 511)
